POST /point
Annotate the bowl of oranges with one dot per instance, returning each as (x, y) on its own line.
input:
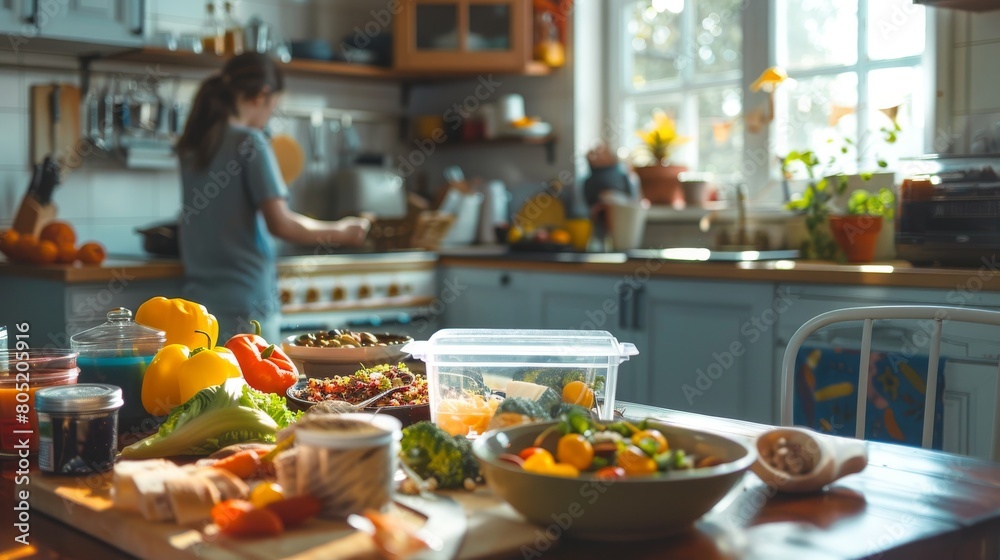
(55, 243)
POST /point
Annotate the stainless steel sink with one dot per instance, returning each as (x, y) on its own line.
(695, 254)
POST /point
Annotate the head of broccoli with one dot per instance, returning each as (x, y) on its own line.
(523, 406)
(434, 453)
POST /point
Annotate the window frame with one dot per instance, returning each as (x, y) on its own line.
(760, 24)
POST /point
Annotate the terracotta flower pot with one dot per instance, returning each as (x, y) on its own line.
(661, 185)
(856, 236)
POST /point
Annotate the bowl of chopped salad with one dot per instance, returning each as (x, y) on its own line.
(618, 481)
(409, 402)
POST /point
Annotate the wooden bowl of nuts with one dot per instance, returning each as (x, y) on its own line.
(345, 347)
(798, 460)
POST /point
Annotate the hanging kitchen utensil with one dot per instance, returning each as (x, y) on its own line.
(291, 158)
(55, 123)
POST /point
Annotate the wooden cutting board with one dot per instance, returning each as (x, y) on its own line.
(494, 529)
(67, 132)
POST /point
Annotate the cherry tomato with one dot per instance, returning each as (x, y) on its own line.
(636, 462)
(574, 449)
(528, 452)
(610, 473)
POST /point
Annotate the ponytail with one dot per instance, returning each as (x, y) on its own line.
(246, 76)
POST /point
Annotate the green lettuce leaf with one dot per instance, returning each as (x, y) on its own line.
(214, 418)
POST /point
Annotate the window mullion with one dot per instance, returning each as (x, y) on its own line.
(861, 125)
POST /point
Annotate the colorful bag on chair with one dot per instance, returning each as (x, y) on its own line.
(826, 394)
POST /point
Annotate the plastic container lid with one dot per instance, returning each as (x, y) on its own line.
(119, 337)
(523, 347)
(85, 397)
(389, 429)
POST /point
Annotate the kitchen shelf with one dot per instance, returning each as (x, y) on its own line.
(548, 141)
(155, 55)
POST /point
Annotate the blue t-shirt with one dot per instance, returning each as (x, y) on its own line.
(228, 254)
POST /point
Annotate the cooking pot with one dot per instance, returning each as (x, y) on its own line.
(160, 239)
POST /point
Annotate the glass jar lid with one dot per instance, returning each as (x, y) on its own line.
(83, 397)
(119, 337)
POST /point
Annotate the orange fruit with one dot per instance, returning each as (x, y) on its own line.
(560, 237)
(577, 392)
(8, 243)
(46, 252)
(91, 252)
(58, 232)
(67, 253)
(26, 246)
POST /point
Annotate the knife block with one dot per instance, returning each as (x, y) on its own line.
(32, 216)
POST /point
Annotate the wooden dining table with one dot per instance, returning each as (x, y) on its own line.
(908, 503)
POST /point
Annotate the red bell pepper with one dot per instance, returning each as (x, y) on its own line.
(265, 366)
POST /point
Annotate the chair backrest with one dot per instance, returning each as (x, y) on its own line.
(937, 314)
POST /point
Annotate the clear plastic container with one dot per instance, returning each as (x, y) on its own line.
(469, 371)
(117, 353)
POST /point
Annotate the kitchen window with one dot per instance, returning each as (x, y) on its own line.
(683, 58)
(855, 63)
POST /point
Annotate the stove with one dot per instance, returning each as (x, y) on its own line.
(388, 292)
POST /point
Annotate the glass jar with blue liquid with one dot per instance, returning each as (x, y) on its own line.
(117, 353)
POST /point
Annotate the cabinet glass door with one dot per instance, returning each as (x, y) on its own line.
(463, 35)
(489, 27)
(436, 27)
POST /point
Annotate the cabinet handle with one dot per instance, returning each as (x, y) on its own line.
(636, 296)
(505, 279)
(622, 315)
(138, 16)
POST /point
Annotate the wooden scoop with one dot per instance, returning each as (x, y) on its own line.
(817, 459)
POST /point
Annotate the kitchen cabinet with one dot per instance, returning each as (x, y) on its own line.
(708, 345)
(463, 36)
(487, 298)
(971, 351)
(72, 25)
(13, 14)
(109, 22)
(56, 310)
(681, 328)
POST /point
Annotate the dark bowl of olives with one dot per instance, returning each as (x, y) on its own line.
(340, 346)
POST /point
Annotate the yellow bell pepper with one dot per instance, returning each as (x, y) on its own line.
(180, 319)
(177, 373)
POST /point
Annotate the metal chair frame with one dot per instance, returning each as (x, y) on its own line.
(938, 314)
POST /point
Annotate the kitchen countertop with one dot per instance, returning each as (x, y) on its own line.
(893, 273)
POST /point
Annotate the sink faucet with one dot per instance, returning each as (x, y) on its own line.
(741, 215)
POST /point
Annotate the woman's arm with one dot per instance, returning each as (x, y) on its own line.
(293, 227)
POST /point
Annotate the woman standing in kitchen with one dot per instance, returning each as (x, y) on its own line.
(235, 200)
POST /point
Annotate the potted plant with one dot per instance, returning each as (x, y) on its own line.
(657, 176)
(826, 194)
(857, 232)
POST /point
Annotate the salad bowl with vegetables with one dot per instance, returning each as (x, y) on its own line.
(614, 481)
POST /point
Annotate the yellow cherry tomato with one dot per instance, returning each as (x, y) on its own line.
(635, 461)
(266, 493)
(574, 449)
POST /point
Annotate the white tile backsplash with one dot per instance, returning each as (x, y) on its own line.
(125, 194)
(10, 88)
(960, 73)
(73, 197)
(984, 79)
(985, 26)
(168, 195)
(14, 139)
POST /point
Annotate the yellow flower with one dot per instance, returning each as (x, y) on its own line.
(769, 79)
(661, 135)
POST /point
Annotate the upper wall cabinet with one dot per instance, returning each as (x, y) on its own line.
(73, 25)
(464, 36)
